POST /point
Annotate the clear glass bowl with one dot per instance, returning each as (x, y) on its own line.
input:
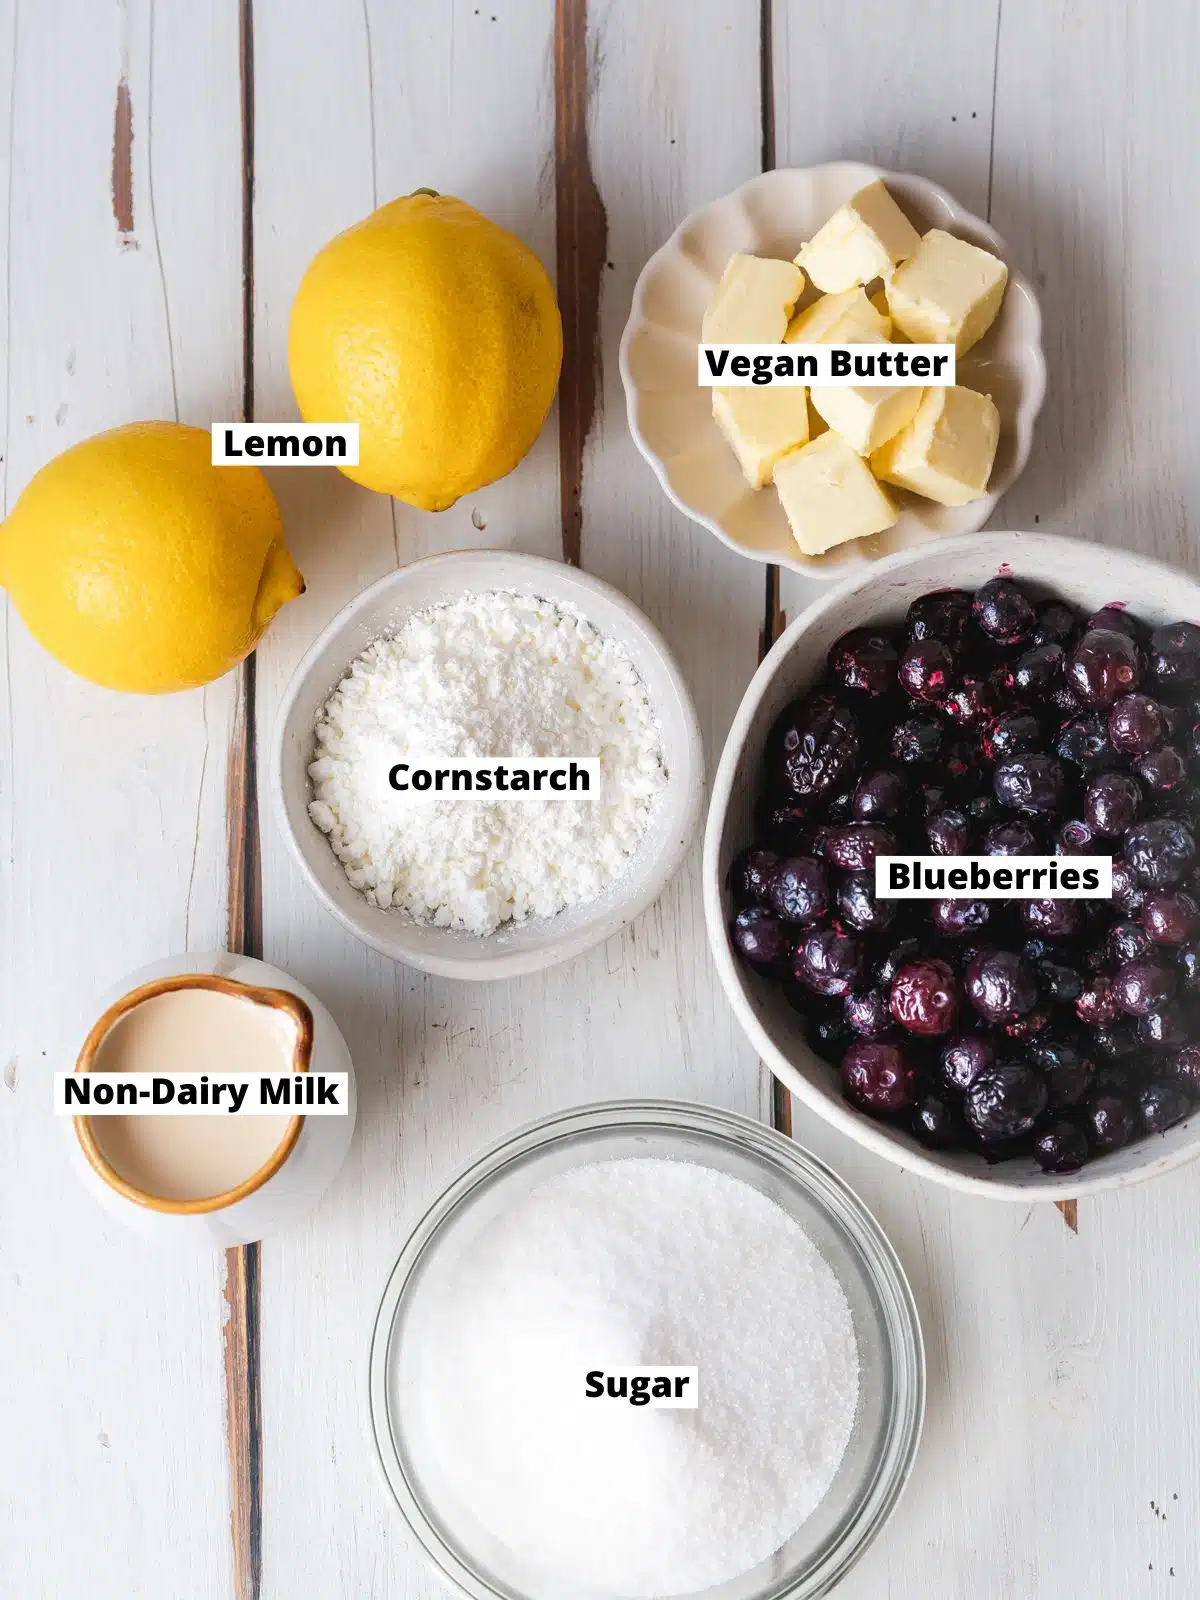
(891, 1402)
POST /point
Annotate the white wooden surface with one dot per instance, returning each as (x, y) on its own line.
(1061, 1400)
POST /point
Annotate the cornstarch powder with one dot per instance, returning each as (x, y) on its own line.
(638, 1262)
(498, 674)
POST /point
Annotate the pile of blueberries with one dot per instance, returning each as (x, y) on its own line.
(991, 724)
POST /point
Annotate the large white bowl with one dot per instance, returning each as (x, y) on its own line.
(529, 946)
(670, 415)
(1087, 574)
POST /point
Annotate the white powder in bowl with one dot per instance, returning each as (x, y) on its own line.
(638, 1261)
(497, 674)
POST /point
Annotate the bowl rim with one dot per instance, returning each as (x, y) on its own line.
(691, 775)
(787, 1156)
(1033, 391)
(855, 1124)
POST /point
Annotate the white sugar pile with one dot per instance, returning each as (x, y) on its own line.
(639, 1262)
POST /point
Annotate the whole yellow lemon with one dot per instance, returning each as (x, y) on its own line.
(143, 567)
(438, 333)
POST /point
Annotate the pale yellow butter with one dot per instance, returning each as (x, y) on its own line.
(752, 302)
(847, 318)
(946, 452)
(829, 495)
(762, 424)
(948, 292)
(862, 240)
(867, 418)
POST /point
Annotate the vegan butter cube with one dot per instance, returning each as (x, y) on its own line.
(847, 318)
(761, 425)
(866, 418)
(752, 302)
(946, 452)
(862, 240)
(948, 292)
(829, 495)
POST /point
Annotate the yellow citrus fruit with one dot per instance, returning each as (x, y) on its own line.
(143, 567)
(439, 334)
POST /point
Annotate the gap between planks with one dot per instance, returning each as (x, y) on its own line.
(243, 1393)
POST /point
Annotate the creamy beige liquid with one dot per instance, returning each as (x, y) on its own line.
(194, 1030)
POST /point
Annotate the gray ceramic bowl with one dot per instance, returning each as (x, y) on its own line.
(509, 952)
(1087, 574)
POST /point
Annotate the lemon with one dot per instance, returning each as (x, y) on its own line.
(143, 567)
(438, 333)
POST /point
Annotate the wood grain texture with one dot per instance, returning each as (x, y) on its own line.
(444, 1068)
(581, 229)
(111, 808)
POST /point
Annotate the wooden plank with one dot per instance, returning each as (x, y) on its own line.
(1055, 1442)
(121, 160)
(445, 1068)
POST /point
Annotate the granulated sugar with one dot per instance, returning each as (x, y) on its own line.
(639, 1262)
(496, 674)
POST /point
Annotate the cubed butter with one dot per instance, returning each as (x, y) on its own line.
(761, 425)
(862, 240)
(948, 292)
(866, 418)
(752, 302)
(847, 318)
(947, 450)
(829, 495)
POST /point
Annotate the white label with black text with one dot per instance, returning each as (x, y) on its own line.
(993, 877)
(187, 1094)
(546, 776)
(661, 1388)
(285, 444)
(829, 366)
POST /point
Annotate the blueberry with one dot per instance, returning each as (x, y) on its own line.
(964, 1058)
(1004, 1103)
(860, 907)
(1013, 734)
(1067, 1069)
(1085, 742)
(942, 615)
(877, 1077)
(888, 965)
(1110, 1121)
(948, 833)
(934, 1121)
(1103, 666)
(879, 797)
(854, 847)
(971, 702)
(820, 745)
(1030, 783)
(798, 889)
(954, 919)
(1160, 851)
(1061, 1148)
(1161, 1104)
(1010, 839)
(1174, 657)
(868, 1013)
(1111, 803)
(1000, 985)
(787, 825)
(1115, 619)
(1035, 673)
(761, 938)
(829, 1038)
(1056, 624)
(1161, 770)
(1127, 941)
(864, 660)
(924, 997)
(926, 670)
(1076, 838)
(1129, 893)
(1059, 982)
(1136, 724)
(827, 961)
(1186, 1068)
(750, 874)
(1170, 919)
(917, 739)
(1142, 986)
(1003, 612)
(1167, 1029)
(1052, 919)
(1097, 1005)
